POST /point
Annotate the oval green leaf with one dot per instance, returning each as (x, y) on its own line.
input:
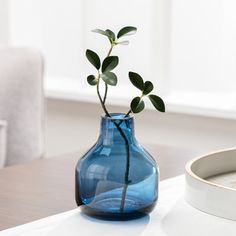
(126, 42)
(109, 63)
(111, 34)
(157, 102)
(92, 80)
(137, 105)
(136, 80)
(148, 87)
(102, 32)
(128, 30)
(109, 78)
(93, 58)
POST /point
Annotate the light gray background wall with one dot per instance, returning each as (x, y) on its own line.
(75, 125)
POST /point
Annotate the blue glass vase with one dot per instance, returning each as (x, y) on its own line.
(117, 179)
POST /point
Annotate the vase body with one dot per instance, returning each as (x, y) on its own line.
(116, 179)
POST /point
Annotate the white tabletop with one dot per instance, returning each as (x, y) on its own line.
(171, 217)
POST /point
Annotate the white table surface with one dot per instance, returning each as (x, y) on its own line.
(171, 217)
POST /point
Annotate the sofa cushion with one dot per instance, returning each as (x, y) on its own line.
(3, 142)
(22, 103)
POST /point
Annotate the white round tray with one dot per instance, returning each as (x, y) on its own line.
(211, 183)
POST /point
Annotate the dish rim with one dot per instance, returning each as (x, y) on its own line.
(188, 169)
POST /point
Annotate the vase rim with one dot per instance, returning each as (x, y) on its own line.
(117, 116)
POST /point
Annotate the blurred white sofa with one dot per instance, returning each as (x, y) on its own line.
(3, 142)
(21, 106)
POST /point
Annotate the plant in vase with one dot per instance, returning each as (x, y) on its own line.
(117, 178)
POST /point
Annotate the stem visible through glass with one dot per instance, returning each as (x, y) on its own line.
(103, 101)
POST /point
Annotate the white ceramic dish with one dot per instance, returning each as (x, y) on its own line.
(211, 183)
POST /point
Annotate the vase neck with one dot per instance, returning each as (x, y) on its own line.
(116, 129)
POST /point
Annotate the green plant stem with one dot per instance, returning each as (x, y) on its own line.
(110, 50)
(106, 86)
(126, 115)
(126, 178)
(127, 148)
(101, 101)
(105, 94)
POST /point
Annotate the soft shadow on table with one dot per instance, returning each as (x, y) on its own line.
(79, 224)
(185, 220)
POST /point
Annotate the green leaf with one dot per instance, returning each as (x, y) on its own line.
(109, 78)
(136, 80)
(109, 63)
(148, 87)
(93, 58)
(99, 31)
(111, 34)
(108, 33)
(137, 105)
(157, 102)
(92, 80)
(128, 30)
(126, 42)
